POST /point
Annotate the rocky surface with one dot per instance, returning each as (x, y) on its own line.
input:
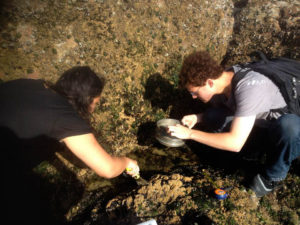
(186, 196)
(270, 26)
(128, 42)
(139, 47)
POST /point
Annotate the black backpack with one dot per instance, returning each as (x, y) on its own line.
(284, 72)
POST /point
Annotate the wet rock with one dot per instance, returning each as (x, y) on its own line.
(270, 26)
(120, 39)
(129, 42)
(139, 46)
(170, 199)
(27, 39)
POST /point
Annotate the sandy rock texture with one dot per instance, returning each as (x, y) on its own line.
(139, 47)
(269, 26)
(186, 196)
(126, 41)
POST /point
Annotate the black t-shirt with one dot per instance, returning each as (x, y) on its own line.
(32, 119)
(29, 110)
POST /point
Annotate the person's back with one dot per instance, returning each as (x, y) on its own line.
(256, 94)
(29, 109)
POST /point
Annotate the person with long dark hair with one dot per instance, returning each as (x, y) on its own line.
(34, 112)
(32, 108)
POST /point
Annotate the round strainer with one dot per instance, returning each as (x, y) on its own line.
(164, 137)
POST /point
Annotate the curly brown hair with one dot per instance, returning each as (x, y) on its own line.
(197, 68)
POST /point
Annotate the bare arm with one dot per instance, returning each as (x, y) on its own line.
(230, 141)
(87, 148)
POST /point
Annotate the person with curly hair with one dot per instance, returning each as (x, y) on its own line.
(252, 101)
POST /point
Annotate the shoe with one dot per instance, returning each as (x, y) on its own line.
(261, 186)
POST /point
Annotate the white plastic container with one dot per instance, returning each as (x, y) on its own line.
(149, 222)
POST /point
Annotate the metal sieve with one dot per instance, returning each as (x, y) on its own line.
(163, 135)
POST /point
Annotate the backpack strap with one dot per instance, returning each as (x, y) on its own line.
(238, 76)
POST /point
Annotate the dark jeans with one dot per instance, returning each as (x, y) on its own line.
(283, 134)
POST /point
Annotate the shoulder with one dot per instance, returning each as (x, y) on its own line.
(23, 81)
(21, 85)
(250, 79)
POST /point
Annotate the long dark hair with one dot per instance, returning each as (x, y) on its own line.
(80, 85)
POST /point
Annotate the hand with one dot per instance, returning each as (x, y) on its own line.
(190, 120)
(180, 131)
(133, 169)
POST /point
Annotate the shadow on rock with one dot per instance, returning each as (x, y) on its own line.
(162, 94)
(146, 134)
(121, 216)
(194, 217)
(159, 91)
